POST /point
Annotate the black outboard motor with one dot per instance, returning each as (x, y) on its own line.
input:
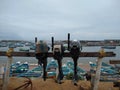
(41, 55)
(58, 52)
(75, 49)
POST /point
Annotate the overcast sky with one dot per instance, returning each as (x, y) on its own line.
(84, 19)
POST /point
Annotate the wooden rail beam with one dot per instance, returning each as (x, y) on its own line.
(66, 54)
(114, 61)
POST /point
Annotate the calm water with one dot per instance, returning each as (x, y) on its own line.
(85, 60)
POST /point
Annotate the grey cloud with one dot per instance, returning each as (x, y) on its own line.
(84, 19)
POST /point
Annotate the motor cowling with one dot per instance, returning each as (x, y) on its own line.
(58, 51)
(75, 49)
(41, 50)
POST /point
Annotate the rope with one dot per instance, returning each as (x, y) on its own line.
(9, 52)
(102, 53)
(27, 83)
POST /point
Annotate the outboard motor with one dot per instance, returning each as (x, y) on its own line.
(75, 49)
(41, 55)
(58, 52)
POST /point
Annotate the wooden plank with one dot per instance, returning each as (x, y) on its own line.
(7, 74)
(66, 54)
(114, 61)
(97, 75)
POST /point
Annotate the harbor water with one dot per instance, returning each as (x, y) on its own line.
(83, 60)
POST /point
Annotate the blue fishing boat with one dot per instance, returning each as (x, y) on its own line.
(108, 66)
(14, 66)
(117, 66)
(35, 72)
(22, 68)
(105, 69)
(92, 64)
(52, 65)
(66, 70)
(108, 71)
(79, 69)
(51, 68)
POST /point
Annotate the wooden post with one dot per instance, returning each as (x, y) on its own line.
(92, 81)
(7, 71)
(98, 69)
(97, 75)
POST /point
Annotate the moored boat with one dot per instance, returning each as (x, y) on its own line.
(109, 47)
(23, 49)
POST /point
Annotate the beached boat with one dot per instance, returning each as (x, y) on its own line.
(108, 65)
(108, 71)
(105, 69)
(52, 65)
(17, 69)
(103, 65)
(117, 66)
(35, 72)
(14, 66)
(79, 69)
(66, 70)
(51, 68)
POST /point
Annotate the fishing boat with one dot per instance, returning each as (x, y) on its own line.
(32, 47)
(52, 65)
(14, 66)
(12, 46)
(35, 72)
(17, 69)
(80, 71)
(106, 69)
(66, 70)
(3, 44)
(24, 49)
(51, 68)
(19, 45)
(117, 66)
(109, 47)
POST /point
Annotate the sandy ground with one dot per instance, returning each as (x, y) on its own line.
(86, 67)
(50, 84)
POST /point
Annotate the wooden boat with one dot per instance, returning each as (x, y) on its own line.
(51, 68)
(66, 70)
(109, 47)
(23, 49)
(106, 69)
(35, 72)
